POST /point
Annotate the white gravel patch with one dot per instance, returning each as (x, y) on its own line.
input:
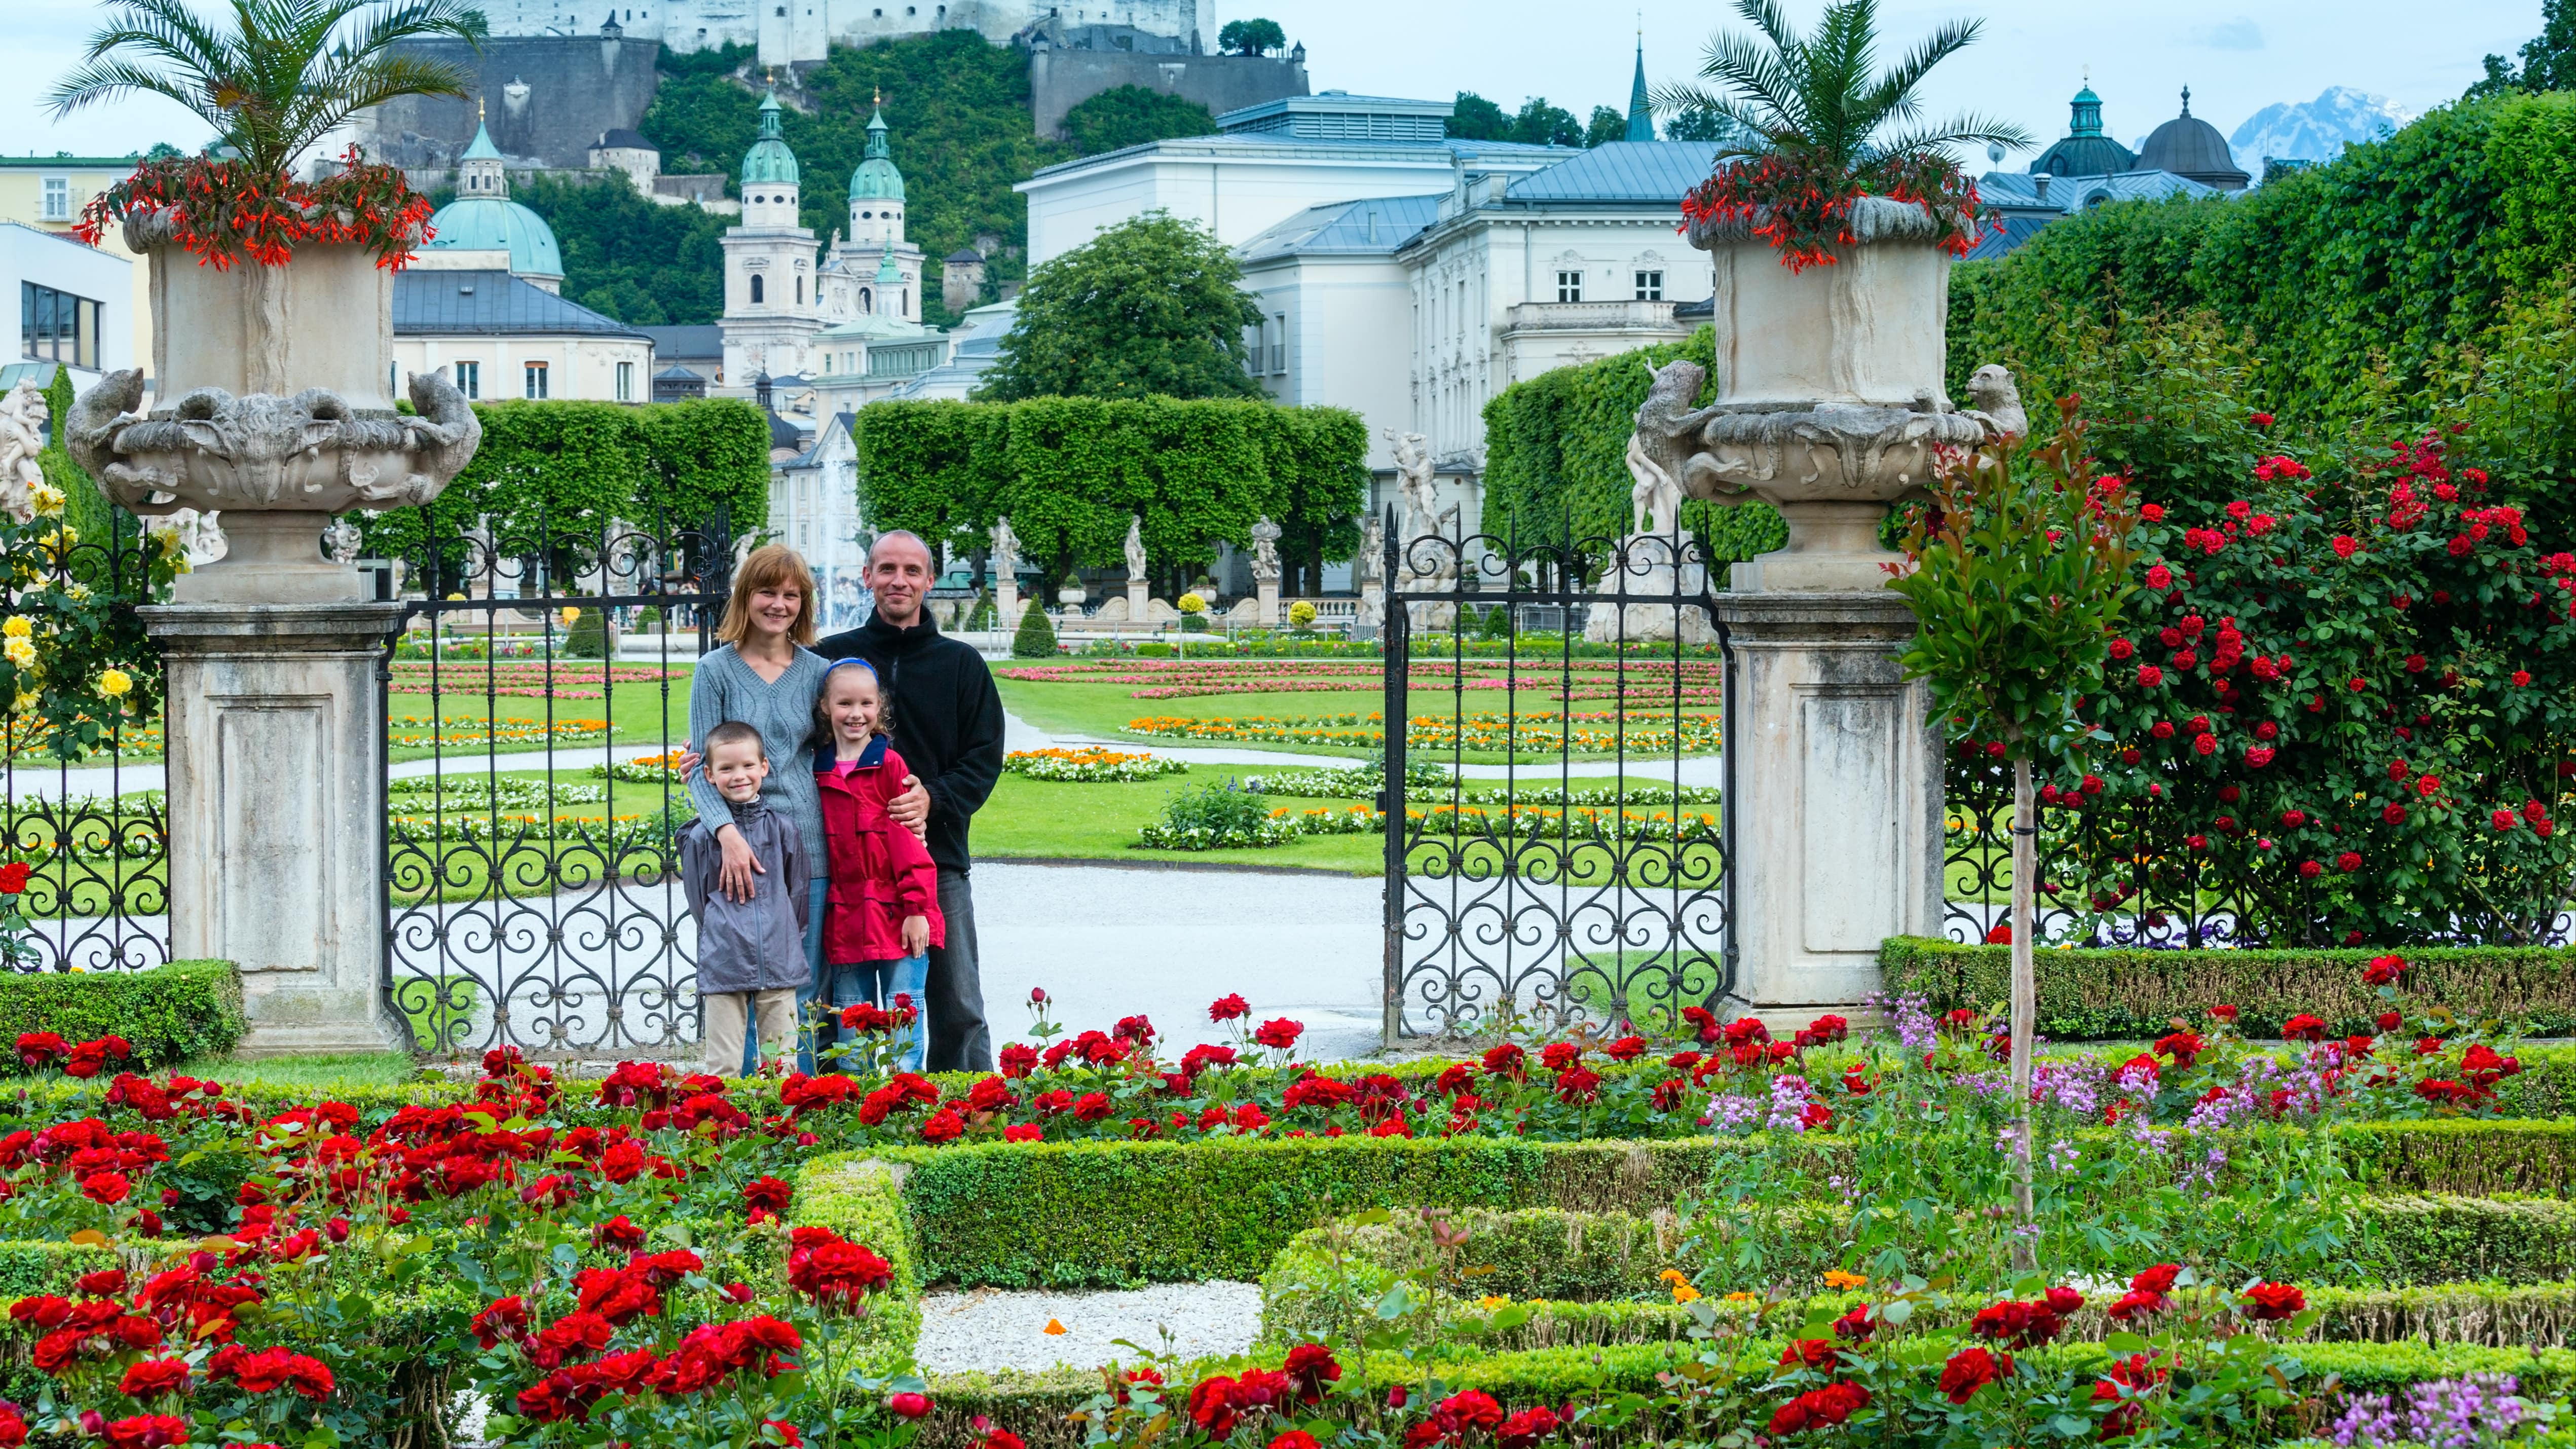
(991, 1330)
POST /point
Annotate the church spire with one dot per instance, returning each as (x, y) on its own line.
(1641, 113)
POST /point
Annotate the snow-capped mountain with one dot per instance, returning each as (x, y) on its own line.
(2315, 130)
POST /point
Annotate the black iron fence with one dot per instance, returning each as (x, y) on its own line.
(81, 804)
(535, 694)
(1556, 840)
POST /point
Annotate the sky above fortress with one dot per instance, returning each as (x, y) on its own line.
(2237, 57)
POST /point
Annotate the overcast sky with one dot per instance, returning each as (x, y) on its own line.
(2236, 55)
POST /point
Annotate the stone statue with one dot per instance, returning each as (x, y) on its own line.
(1265, 551)
(1656, 501)
(23, 416)
(1413, 474)
(1135, 548)
(311, 452)
(340, 541)
(1006, 550)
(1998, 402)
(1372, 557)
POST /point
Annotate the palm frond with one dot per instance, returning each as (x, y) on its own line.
(1959, 130)
(109, 80)
(1769, 77)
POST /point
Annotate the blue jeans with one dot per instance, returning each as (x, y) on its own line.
(881, 982)
(819, 897)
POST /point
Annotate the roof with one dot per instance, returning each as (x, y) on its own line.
(964, 254)
(699, 339)
(769, 162)
(2016, 196)
(1341, 116)
(624, 139)
(69, 240)
(491, 304)
(1252, 145)
(2084, 156)
(71, 163)
(1629, 171)
(877, 178)
(2189, 146)
(482, 149)
(782, 433)
(1641, 110)
(677, 373)
(489, 223)
(1372, 227)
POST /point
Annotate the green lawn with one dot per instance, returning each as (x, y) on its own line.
(351, 1069)
(1038, 819)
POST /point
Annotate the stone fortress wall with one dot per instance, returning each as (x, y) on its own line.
(546, 99)
(790, 32)
(1062, 77)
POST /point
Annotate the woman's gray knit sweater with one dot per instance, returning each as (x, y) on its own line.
(723, 687)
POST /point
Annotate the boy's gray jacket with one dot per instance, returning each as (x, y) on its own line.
(758, 944)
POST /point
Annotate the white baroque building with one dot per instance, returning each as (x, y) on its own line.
(792, 31)
(844, 320)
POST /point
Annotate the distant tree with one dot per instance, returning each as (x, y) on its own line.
(1148, 307)
(1699, 124)
(1478, 119)
(1540, 124)
(1125, 116)
(1251, 37)
(628, 257)
(2548, 59)
(1607, 125)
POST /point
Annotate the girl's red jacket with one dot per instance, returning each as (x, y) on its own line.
(880, 872)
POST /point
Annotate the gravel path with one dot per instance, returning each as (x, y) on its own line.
(989, 1330)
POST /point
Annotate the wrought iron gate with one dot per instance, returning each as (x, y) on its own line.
(1544, 859)
(531, 891)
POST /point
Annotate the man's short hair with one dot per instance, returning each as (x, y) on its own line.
(908, 536)
(734, 732)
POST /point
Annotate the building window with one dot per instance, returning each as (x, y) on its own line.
(626, 382)
(536, 384)
(1569, 286)
(57, 326)
(393, 379)
(469, 378)
(867, 301)
(1650, 286)
(755, 288)
(1279, 347)
(58, 198)
(800, 291)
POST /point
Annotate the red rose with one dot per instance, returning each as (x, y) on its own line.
(1971, 1369)
(2149, 676)
(2345, 545)
(2161, 1277)
(1229, 1008)
(2348, 862)
(155, 1376)
(2302, 1027)
(1279, 1034)
(908, 1406)
(13, 877)
(2204, 744)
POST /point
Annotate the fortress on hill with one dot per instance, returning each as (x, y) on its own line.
(792, 31)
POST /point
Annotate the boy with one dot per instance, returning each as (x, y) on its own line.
(751, 954)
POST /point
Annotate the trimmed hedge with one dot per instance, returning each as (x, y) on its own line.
(2473, 1157)
(863, 1201)
(167, 1013)
(1111, 1214)
(2090, 993)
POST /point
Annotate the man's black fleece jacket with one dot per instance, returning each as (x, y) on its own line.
(947, 720)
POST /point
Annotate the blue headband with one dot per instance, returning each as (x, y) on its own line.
(845, 664)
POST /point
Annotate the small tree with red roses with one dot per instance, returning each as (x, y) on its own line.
(2013, 584)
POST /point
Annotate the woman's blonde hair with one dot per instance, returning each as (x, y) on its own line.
(769, 568)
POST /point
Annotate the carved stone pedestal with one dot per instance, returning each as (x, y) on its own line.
(1266, 596)
(1836, 812)
(1136, 595)
(276, 810)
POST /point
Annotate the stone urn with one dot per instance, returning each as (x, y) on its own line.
(270, 407)
(1830, 403)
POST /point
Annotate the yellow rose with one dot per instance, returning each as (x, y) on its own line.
(26, 702)
(568, 614)
(19, 652)
(114, 683)
(46, 499)
(18, 628)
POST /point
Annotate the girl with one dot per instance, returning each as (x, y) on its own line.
(883, 912)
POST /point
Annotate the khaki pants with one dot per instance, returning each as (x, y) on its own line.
(726, 1012)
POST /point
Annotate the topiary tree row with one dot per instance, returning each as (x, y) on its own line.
(1069, 472)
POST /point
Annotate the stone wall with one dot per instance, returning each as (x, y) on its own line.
(546, 99)
(801, 35)
(1060, 79)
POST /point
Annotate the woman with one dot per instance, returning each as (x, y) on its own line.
(763, 675)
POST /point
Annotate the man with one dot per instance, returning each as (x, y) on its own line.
(948, 728)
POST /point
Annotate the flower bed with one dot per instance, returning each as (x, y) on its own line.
(1643, 681)
(1640, 731)
(1368, 782)
(453, 732)
(564, 679)
(645, 770)
(1090, 766)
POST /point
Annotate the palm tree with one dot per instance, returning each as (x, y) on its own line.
(1816, 96)
(277, 82)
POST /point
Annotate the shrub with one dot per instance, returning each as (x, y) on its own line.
(167, 1013)
(588, 636)
(1217, 817)
(1035, 638)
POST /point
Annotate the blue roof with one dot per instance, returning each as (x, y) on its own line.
(491, 304)
(488, 223)
(1372, 227)
(2016, 195)
(1630, 171)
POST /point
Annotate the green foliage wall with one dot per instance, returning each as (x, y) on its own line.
(1124, 116)
(84, 507)
(2385, 257)
(1556, 450)
(546, 469)
(1068, 472)
(167, 1014)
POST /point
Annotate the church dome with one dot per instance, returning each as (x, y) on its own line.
(877, 179)
(769, 162)
(490, 224)
(2084, 151)
(2191, 148)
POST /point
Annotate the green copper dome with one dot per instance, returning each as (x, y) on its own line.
(769, 162)
(877, 179)
(2084, 150)
(488, 223)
